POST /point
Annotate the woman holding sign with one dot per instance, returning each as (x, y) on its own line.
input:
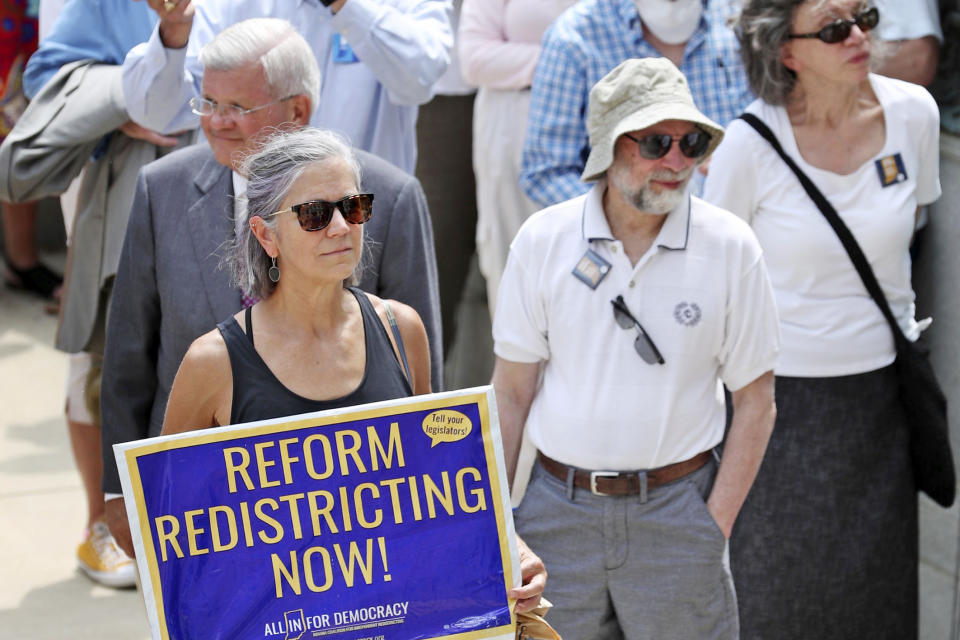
(312, 342)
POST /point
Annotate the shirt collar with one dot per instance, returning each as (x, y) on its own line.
(673, 234)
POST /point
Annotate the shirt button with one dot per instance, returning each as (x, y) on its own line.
(613, 249)
(632, 284)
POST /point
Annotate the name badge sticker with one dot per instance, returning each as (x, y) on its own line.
(591, 268)
(342, 53)
(891, 170)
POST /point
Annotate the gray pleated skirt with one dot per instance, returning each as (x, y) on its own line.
(826, 544)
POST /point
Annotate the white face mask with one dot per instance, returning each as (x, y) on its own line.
(672, 21)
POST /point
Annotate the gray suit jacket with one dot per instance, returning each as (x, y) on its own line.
(77, 112)
(169, 289)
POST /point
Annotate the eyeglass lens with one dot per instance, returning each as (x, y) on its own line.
(317, 214)
(692, 145)
(642, 344)
(839, 30)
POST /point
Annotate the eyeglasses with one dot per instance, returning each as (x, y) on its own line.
(692, 145)
(839, 30)
(643, 344)
(317, 214)
(204, 107)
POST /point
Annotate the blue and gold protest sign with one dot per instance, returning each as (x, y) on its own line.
(386, 521)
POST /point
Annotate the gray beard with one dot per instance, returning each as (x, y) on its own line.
(647, 200)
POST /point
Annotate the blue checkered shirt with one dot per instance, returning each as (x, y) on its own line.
(584, 44)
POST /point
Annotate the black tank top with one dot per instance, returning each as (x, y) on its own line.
(259, 395)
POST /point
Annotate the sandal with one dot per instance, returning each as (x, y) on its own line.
(37, 279)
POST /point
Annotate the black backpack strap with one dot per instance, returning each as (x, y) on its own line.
(846, 237)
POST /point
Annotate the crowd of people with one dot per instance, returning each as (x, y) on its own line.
(240, 181)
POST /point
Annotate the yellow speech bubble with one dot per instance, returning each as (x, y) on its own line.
(446, 425)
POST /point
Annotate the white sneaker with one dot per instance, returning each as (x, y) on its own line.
(103, 561)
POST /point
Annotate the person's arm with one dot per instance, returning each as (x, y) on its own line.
(912, 60)
(405, 44)
(202, 390)
(554, 151)
(533, 579)
(754, 413)
(161, 75)
(486, 58)
(415, 345)
(515, 384)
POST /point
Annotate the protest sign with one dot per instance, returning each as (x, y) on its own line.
(387, 521)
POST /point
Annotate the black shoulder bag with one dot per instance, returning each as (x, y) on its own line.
(923, 401)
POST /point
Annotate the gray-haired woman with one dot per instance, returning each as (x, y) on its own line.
(312, 342)
(826, 543)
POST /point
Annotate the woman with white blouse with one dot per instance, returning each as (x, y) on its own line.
(498, 45)
(826, 543)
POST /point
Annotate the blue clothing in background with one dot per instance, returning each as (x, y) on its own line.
(102, 30)
(584, 44)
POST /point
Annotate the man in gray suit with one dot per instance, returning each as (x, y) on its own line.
(260, 75)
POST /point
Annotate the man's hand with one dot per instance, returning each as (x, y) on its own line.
(534, 576)
(176, 20)
(134, 130)
(119, 526)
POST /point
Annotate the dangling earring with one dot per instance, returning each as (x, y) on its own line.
(274, 272)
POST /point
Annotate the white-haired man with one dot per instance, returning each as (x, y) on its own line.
(169, 288)
(379, 60)
(620, 313)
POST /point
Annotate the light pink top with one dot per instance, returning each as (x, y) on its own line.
(499, 40)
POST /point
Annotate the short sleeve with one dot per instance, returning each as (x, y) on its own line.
(732, 179)
(928, 153)
(520, 320)
(752, 334)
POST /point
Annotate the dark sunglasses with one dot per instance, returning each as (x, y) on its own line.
(839, 30)
(317, 214)
(643, 344)
(692, 145)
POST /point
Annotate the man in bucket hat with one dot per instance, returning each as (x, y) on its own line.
(620, 313)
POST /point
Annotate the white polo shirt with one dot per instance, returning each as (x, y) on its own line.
(702, 294)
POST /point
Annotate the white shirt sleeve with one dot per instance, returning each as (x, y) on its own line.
(752, 336)
(520, 320)
(158, 83)
(731, 182)
(901, 20)
(928, 174)
(406, 45)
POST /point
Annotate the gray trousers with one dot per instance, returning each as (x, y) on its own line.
(621, 568)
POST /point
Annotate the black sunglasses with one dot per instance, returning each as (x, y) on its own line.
(839, 30)
(643, 344)
(692, 145)
(315, 215)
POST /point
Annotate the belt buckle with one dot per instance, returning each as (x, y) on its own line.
(600, 474)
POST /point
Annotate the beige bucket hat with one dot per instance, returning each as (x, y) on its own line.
(638, 94)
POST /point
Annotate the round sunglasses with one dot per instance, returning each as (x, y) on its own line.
(839, 30)
(692, 145)
(316, 215)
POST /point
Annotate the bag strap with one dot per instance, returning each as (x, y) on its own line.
(396, 335)
(843, 232)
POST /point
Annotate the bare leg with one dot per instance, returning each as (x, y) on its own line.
(85, 440)
(19, 226)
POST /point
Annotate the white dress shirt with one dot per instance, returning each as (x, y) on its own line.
(403, 47)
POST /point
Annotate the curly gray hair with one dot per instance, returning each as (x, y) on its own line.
(271, 172)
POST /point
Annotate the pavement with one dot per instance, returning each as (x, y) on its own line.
(42, 510)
